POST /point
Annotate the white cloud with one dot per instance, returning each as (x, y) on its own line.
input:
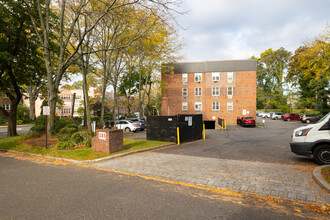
(238, 29)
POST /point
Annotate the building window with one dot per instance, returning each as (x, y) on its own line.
(230, 106)
(198, 77)
(198, 106)
(230, 92)
(215, 76)
(230, 77)
(66, 111)
(65, 96)
(184, 92)
(215, 91)
(6, 106)
(184, 106)
(198, 91)
(185, 78)
(215, 106)
(57, 111)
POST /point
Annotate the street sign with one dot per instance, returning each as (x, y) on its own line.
(45, 110)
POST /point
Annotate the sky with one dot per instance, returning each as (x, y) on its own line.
(239, 29)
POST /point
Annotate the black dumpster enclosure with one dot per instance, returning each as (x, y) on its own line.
(164, 128)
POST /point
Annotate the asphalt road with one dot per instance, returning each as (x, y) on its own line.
(21, 129)
(269, 144)
(34, 188)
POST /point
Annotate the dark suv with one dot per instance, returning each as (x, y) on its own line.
(308, 118)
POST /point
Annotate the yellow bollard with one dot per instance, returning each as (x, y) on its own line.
(204, 131)
(178, 134)
(225, 125)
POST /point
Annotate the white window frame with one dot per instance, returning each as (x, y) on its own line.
(198, 77)
(215, 76)
(184, 92)
(215, 91)
(184, 78)
(216, 106)
(184, 106)
(198, 91)
(199, 106)
(230, 77)
(230, 96)
(230, 106)
(6, 106)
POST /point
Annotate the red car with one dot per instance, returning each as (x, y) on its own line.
(246, 121)
(291, 116)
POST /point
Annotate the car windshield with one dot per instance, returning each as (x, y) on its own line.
(322, 119)
(248, 118)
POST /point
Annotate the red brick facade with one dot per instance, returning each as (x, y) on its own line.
(113, 141)
(243, 95)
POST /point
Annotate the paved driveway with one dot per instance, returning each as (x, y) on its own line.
(254, 161)
(269, 144)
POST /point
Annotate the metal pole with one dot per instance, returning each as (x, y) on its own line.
(204, 131)
(178, 135)
(46, 131)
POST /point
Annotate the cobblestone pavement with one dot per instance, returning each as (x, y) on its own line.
(288, 182)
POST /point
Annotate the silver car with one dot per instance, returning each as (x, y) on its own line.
(127, 125)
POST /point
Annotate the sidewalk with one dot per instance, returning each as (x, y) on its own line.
(288, 182)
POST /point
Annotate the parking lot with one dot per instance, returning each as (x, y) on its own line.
(262, 144)
(254, 161)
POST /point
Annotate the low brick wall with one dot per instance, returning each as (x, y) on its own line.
(108, 140)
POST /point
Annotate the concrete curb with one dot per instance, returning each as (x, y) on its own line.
(126, 153)
(90, 161)
(317, 176)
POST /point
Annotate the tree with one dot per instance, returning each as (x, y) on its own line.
(309, 71)
(128, 87)
(19, 56)
(270, 70)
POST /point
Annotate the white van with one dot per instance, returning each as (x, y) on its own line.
(313, 140)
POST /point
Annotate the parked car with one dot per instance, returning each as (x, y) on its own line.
(267, 115)
(277, 115)
(246, 121)
(127, 125)
(141, 122)
(313, 140)
(290, 116)
(308, 118)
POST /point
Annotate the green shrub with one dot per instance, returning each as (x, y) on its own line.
(64, 144)
(78, 120)
(38, 128)
(19, 122)
(40, 120)
(62, 122)
(68, 130)
(81, 138)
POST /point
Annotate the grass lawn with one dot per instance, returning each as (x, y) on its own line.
(13, 143)
(326, 174)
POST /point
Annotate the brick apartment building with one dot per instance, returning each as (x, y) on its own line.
(216, 89)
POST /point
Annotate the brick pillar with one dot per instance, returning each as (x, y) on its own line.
(108, 140)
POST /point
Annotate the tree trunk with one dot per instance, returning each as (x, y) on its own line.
(11, 129)
(86, 102)
(105, 82)
(32, 112)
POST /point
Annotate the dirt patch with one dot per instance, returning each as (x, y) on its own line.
(326, 174)
(40, 141)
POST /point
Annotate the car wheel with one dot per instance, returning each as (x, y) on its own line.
(127, 129)
(322, 154)
(288, 119)
(308, 121)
